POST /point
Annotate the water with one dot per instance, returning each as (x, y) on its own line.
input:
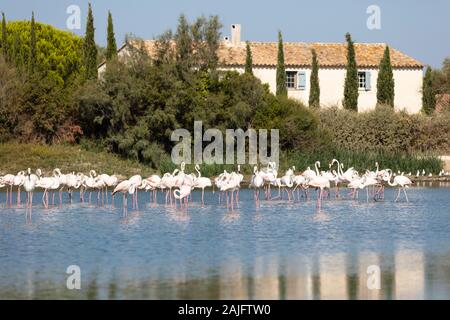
(278, 250)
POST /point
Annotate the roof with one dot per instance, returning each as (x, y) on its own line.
(368, 55)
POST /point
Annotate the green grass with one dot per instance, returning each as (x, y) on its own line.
(19, 156)
(366, 160)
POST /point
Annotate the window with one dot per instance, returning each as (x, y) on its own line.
(362, 80)
(291, 77)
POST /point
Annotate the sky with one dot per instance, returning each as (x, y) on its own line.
(419, 28)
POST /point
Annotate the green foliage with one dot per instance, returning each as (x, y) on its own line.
(33, 51)
(386, 131)
(385, 82)
(196, 44)
(281, 71)
(428, 94)
(440, 78)
(314, 93)
(111, 48)
(362, 160)
(248, 59)
(57, 52)
(351, 78)
(38, 102)
(89, 48)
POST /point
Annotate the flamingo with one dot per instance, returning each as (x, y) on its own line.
(29, 186)
(231, 185)
(256, 182)
(152, 183)
(168, 182)
(110, 181)
(72, 182)
(401, 181)
(269, 176)
(8, 181)
(182, 193)
(46, 183)
(18, 181)
(62, 181)
(88, 183)
(201, 182)
(319, 182)
(137, 181)
(125, 187)
(286, 181)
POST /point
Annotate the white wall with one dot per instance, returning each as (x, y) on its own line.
(408, 87)
(408, 90)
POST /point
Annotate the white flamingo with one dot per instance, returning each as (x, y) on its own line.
(401, 181)
(201, 182)
(125, 187)
(29, 185)
(256, 182)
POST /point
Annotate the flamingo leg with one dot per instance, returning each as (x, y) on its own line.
(404, 190)
(18, 197)
(398, 194)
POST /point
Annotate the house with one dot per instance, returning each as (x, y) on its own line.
(332, 58)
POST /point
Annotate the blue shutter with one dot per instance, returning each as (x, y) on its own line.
(301, 81)
(368, 82)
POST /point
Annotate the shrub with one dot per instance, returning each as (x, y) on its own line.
(387, 131)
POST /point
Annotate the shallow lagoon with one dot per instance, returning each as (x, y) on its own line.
(278, 250)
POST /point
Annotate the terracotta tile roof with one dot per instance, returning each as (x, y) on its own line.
(299, 54)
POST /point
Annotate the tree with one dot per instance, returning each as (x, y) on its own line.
(281, 71)
(89, 48)
(314, 93)
(428, 98)
(248, 59)
(111, 47)
(16, 51)
(351, 77)
(385, 82)
(4, 38)
(32, 59)
(183, 44)
(58, 53)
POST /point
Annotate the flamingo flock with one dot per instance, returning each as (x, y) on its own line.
(178, 185)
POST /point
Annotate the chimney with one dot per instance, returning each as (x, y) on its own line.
(235, 34)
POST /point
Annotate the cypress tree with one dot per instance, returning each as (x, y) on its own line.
(5, 48)
(351, 78)
(428, 98)
(32, 61)
(248, 59)
(281, 71)
(111, 48)
(89, 48)
(16, 51)
(314, 93)
(184, 45)
(385, 82)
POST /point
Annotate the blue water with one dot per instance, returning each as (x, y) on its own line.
(277, 250)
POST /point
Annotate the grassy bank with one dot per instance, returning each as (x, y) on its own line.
(18, 156)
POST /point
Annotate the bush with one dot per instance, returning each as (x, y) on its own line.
(386, 131)
(298, 125)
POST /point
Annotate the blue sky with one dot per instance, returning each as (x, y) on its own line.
(418, 28)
